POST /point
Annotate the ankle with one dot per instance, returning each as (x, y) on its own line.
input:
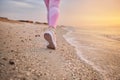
(52, 29)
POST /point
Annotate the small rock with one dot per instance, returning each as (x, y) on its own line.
(12, 50)
(32, 70)
(64, 79)
(40, 74)
(13, 68)
(28, 73)
(4, 59)
(23, 78)
(4, 43)
(20, 37)
(30, 40)
(37, 35)
(10, 40)
(1, 64)
(45, 74)
(22, 40)
(17, 45)
(11, 62)
(7, 47)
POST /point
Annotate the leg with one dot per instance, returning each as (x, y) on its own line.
(47, 6)
(53, 12)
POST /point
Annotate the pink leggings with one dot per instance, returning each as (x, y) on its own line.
(53, 12)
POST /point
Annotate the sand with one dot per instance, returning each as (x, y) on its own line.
(98, 46)
(24, 56)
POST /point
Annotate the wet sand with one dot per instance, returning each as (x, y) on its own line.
(98, 47)
(23, 55)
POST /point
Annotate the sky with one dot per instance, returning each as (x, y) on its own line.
(72, 12)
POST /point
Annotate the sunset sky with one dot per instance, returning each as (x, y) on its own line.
(73, 12)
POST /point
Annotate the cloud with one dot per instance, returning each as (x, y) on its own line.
(23, 9)
(21, 4)
(30, 2)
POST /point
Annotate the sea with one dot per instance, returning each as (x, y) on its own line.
(98, 46)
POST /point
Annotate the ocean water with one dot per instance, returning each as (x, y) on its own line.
(98, 47)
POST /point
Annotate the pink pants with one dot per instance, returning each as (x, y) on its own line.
(53, 12)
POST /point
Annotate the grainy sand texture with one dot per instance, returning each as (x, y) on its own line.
(24, 56)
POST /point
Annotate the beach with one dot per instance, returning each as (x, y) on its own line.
(24, 56)
(98, 46)
(87, 33)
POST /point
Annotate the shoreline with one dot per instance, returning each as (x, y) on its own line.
(72, 41)
(84, 46)
(24, 55)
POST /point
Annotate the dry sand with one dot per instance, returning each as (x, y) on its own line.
(23, 55)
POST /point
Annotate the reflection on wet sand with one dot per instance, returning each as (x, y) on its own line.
(100, 47)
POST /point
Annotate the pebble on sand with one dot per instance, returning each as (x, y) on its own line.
(30, 39)
(37, 35)
(12, 50)
(22, 40)
(4, 43)
(4, 58)
(11, 62)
